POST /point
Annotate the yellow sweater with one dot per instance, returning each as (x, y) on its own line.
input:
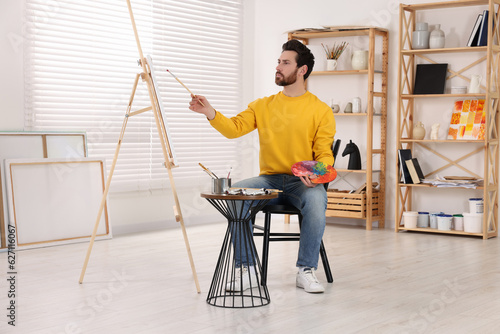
(291, 129)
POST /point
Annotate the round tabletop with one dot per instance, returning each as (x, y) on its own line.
(239, 197)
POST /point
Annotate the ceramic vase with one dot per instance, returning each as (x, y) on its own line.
(348, 108)
(359, 60)
(436, 38)
(419, 131)
(420, 37)
(356, 105)
(335, 106)
(475, 83)
(331, 64)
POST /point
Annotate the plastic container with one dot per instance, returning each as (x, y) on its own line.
(433, 219)
(444, 222)
(476, 205)
(473, 222)
(410, 219)
(423, 219)
(458, 222)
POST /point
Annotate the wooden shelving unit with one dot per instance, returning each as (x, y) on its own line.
(371, 205)
(488, 148)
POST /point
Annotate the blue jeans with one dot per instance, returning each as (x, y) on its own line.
(310, 201)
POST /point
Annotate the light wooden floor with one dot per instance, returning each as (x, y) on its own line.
(142, 283)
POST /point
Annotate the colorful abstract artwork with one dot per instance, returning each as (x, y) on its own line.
(468, 120)
(317, 171)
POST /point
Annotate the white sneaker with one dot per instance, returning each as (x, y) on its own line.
(244, 279)
(306, 279)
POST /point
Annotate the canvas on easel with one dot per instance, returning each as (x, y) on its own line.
(162, 113)
(147, 76)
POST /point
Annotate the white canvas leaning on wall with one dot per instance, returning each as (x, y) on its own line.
(55, 201)
(28, 144)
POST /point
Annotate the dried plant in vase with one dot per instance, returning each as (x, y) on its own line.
(333, 54)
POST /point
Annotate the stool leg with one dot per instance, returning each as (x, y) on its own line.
(265, 247)
(326, 264)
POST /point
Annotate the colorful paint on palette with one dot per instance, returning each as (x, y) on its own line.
(317, 171)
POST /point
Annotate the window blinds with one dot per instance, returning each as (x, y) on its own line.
(80, 65)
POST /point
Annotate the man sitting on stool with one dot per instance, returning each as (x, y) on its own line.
(293, 125)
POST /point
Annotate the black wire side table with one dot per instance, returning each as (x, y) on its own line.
(238, 229)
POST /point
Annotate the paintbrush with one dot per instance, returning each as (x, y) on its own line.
(208, 171)
(183, 85)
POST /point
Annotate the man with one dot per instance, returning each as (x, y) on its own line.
(293, 125)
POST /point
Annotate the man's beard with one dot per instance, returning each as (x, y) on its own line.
(291, 79)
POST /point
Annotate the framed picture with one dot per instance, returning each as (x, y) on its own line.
(467, 120)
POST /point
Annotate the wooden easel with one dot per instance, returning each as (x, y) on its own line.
(166, 148)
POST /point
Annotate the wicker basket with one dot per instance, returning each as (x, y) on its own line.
(343, 204)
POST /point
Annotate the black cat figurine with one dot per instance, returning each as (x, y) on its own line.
(354, 156)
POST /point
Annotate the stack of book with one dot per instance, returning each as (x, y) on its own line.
(479, 34)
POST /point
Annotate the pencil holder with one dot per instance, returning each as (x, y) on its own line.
(220, 186)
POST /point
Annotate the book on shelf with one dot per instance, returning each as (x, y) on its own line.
(474, 36)
(413, 171)
(483, 30)
(404, 154)
(430, 78)
(418, 169)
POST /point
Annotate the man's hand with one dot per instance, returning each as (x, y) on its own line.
(205, 108)
(307, 181)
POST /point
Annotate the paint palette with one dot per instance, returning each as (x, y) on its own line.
(317, 171)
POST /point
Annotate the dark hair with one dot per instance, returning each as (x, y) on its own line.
(304, 55)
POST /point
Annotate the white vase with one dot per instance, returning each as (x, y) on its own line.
(356, 105)
(359, 60)
(420, 37)
(436, 39)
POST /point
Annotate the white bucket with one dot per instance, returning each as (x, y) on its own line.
(410, 219)
(458, 222)
(473, 222)
(444, 222)
(476, 205)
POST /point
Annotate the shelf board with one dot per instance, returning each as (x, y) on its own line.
(411, 96)
(447, 4)
(435, 230)
(407, 140)
(362, 31)
(428, 185)
(343, 72)
(446, 50)
(350, 114)
(354, 114)
(359, 171)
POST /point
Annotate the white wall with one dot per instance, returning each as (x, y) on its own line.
(11, 85)
(265, 24)
(275, 17)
